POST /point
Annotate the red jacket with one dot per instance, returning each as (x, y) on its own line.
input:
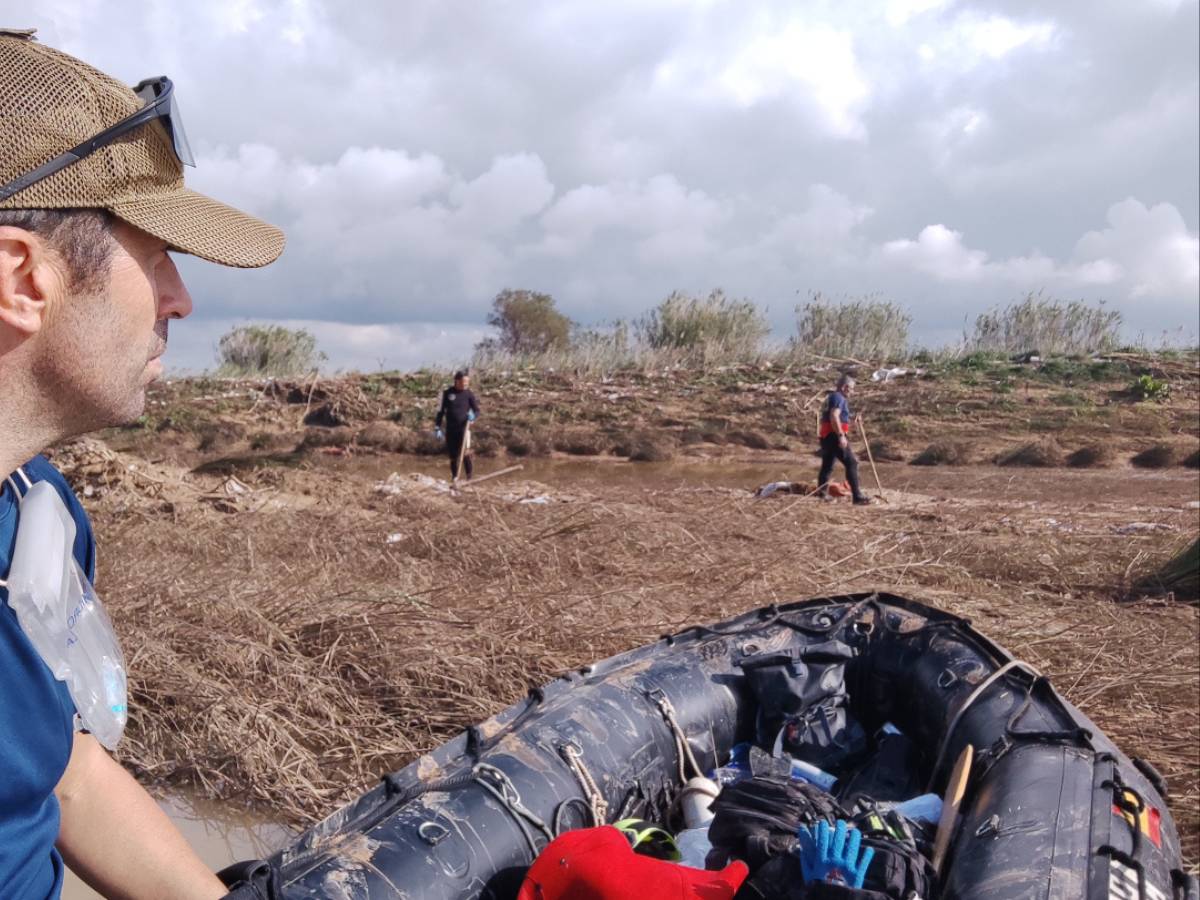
(599, 864)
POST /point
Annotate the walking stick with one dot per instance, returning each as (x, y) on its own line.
(462, 453)
(871, 459)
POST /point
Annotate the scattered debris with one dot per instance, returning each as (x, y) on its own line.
(1141, 527)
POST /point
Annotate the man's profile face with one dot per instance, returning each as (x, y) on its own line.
(462, 383)
(847, 389)
(99, 351)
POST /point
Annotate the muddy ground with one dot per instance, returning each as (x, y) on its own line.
(297, 622)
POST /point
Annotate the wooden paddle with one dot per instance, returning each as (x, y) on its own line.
(955, 789)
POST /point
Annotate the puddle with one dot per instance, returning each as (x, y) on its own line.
(982, 482)
(219, 834)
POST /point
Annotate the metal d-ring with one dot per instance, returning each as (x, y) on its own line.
(432, 833)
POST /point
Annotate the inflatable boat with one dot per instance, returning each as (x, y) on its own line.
(1052, 809)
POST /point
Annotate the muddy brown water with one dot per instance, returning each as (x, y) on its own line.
(1161, 487)
(220, 834)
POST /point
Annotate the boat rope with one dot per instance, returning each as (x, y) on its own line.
(683, 750)
(500, 786)
(573, 757)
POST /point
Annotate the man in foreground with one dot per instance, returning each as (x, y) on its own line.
(91, 201)
(834, 433)
(458, 410)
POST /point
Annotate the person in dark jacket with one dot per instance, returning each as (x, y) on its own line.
(835, 442)
(458, 410)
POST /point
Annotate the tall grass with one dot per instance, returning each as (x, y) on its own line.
(1047, 327)
(711, 327)
(868, 328)
(251, 351)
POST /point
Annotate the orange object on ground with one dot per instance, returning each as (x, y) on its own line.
(838, 489)
(599, 864)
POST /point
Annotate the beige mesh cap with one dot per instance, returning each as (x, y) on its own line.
(50, 102)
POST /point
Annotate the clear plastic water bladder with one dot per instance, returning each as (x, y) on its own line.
(63, 618)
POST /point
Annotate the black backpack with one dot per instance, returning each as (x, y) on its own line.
(801, 695)
(756, 819)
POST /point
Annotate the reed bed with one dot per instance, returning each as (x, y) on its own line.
(289, 651)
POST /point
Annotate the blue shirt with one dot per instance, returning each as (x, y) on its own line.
(837, 400)
(36, 719)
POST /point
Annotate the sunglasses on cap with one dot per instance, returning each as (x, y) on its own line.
(158, 95)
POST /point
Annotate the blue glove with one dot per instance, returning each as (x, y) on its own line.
(437, 433)
(828, 856)
(471, 415)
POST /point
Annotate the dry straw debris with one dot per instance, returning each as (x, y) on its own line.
(288, 656)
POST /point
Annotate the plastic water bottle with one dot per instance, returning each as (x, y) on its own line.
(693, 846)
(802, 771)
(696, 799)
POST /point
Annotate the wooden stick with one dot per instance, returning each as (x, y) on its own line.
(955, 789)
(462, 453)
(492, 475)
(871, 459)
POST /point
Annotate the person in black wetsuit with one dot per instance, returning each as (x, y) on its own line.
(459, 408)
(835, 443)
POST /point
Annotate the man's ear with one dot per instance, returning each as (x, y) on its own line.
(29, 278)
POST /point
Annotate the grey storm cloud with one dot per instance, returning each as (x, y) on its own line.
(422, 156)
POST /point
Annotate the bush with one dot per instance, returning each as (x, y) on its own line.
(1039, 455)
(886, 451)
(709, 327)
(943, 454)
(256, 351)
(1147, 387)
(1091, 457)
(528, 322)
(1180, 576)
(1160, 456)
(1048, 328)
(869, 328)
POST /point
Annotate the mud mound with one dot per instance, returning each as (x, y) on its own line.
(1039, 454)
(93, 470)
(327, 437)
(527, 443)
(383, 436)
(943, 454)
(886, 451)
(755, 440)
(1093, 456)
(646, 447)
(1160, 456)
(581, 443)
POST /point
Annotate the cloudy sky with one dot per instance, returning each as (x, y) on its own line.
(423, 155)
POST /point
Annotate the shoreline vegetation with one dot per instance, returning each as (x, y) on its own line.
(714, 331)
